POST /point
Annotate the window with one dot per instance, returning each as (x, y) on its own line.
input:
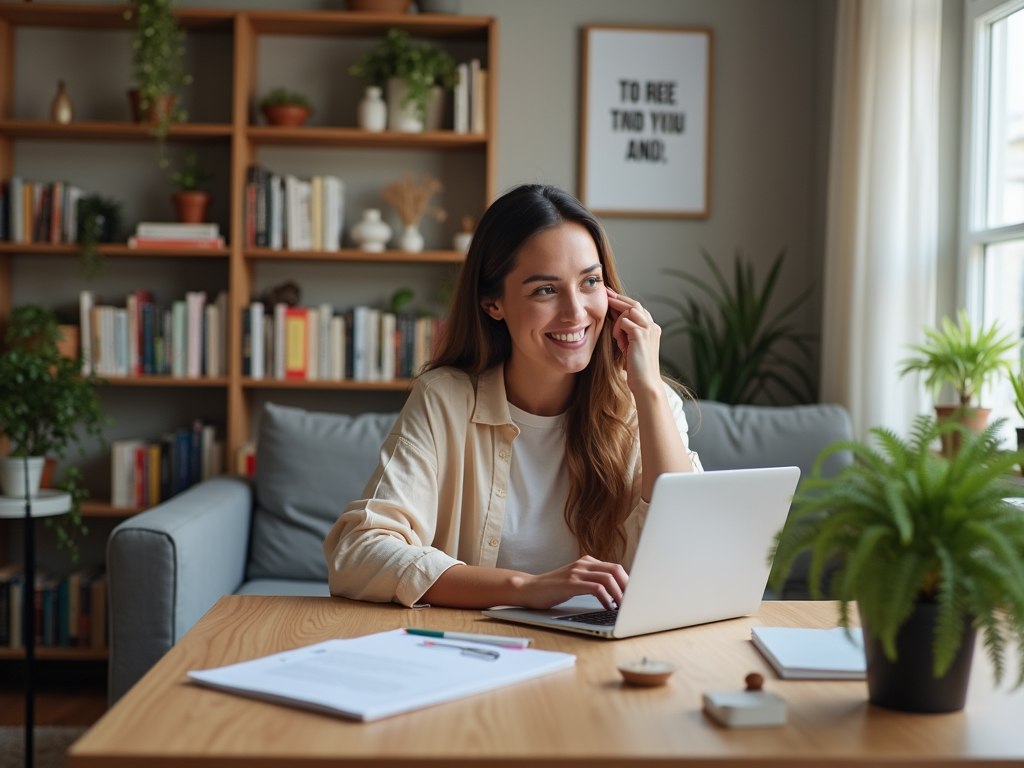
(993, 223)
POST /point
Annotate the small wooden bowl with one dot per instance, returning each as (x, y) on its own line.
(646, 672)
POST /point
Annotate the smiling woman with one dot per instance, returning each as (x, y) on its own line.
(520, 468)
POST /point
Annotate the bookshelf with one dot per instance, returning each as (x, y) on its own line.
(243, 140)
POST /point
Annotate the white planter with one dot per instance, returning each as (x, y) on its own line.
(12, 475)
(411, 240)
(371, 234)
(401, 116)
(461, 241)
(373, 112)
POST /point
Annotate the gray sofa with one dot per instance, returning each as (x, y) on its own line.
(169, 565)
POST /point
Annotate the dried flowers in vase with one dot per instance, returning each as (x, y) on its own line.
(412, 201)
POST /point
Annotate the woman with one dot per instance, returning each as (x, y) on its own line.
(520, 469)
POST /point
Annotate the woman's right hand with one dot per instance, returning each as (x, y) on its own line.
(586, 576)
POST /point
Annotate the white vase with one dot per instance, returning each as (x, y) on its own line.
(411, 240)
(371, 234)
(401, 116)
(461, 241)
(12, 475)
(373, 112)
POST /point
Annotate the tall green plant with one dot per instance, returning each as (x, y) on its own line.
(959, 356)
(736, 349)
(904, 524)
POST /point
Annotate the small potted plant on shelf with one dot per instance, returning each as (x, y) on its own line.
(414, 75)
(286, 108)
(157, 67)
(191, 201)
(965, 359)
(931, 550)
(46, 405)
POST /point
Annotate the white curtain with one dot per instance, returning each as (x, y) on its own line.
(881, 240)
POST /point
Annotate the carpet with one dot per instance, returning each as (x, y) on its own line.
(51, 745)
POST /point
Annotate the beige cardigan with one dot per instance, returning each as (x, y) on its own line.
(437, 497)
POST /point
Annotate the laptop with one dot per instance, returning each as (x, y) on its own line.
(702, 556)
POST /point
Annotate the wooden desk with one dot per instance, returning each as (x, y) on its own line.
(575, 717)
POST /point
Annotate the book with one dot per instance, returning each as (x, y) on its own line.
(176, 231)
(812, 654)
(296, 362)
(461, 108)
(397, 672)
(256, 365)
(195, 301)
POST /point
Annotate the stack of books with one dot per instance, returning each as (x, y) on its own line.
(149, 234)
(314, 343)
(70, 612)
(33, 212)
(187, 340)
(143, 475)
(470, 98)
(297, 214)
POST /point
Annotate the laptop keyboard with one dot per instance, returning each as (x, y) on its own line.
(602, 618)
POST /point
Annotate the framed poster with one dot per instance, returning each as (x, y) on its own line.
(645, 121)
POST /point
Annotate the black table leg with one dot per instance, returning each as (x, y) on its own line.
(29, 622)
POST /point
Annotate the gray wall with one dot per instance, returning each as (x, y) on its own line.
(771, 96)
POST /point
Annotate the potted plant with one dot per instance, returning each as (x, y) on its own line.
(1018, 402)
(738, 352)
(157, 67)
(413, 75)
(99, 221)
(46, 405)
(929, 548)
(191, 201)
(967, 360)
(286, 108)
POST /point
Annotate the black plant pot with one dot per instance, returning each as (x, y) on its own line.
(1020, 438)
(907, 684)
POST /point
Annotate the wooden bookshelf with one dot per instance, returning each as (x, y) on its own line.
(111, 131)
(270, 135)
(353, 254)
(103, 508)
(73, 16)
(163, 381)
(116, 250)
(398, 385)
(55, 653)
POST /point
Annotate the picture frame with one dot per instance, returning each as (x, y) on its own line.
(645, 121)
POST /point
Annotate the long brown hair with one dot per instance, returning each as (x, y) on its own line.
(600, 424)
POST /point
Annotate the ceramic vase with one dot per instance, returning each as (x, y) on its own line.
(371, 234)
(461, 241)
(411, 240)
(402, 117)
(373, 112)
(61, 110)
(12, 475)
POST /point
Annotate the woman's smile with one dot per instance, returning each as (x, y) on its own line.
(573, 339)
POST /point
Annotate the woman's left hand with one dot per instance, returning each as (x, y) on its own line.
(639, 338)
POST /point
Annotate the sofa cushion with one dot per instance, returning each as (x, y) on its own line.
(308, 467)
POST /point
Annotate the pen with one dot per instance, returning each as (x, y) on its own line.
(508, 642)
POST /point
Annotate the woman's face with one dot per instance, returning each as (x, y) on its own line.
(554, 301)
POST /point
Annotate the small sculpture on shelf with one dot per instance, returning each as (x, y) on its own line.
(461, 240)
(61, 109)
(286, 293)
(371, 233)
(286, 108)
(191, 201)
(373, 112)
(411, 199)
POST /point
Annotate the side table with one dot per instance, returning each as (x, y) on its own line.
(46, 503)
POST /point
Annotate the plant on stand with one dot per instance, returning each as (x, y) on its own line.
(414, 75)
(191, 201)
(158, 68)
(46, 405)
(965, 359)
(738, 353)
(412, 201)
(931, 550)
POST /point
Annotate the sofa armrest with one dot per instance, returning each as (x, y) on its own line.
(167, 567)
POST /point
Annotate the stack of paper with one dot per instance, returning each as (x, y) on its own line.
(812, 654)
(380, 675)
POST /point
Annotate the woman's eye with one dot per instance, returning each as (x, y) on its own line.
(592, 281)
(544, 290)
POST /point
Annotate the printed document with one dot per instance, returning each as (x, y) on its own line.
(375, 676)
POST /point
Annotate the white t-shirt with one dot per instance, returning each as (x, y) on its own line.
(534, 537)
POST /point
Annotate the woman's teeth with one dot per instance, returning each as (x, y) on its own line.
(578, 336)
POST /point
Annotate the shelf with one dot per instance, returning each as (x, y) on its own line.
(111, 130)
(348, 24)
(112, 249)
(47, 652)
(74, 16)
(162, 381)
(97, 508)
(354, 254)
(398, 385)
(325, 136)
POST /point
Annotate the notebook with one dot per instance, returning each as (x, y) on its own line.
(812, 654)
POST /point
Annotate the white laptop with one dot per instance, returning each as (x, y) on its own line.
(702, 556)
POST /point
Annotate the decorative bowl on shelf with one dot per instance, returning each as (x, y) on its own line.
(378, 6)
(288, 115)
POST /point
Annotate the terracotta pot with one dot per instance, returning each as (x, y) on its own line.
(68, 344)
(290, 115)
(378, 6)
(163, 105)
(49, 470)
(192, 206)
(975, 419)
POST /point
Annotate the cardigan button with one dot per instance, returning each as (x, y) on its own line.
(500, 493)
(493, 542)
(504, 454)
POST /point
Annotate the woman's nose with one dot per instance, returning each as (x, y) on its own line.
(573, 308)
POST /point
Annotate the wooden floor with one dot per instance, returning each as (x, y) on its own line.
(72, 693)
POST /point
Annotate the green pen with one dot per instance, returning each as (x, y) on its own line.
(508, 642)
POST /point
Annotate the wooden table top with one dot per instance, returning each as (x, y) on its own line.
(576, 716)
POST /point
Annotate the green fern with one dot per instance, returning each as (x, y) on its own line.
(903, 524)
